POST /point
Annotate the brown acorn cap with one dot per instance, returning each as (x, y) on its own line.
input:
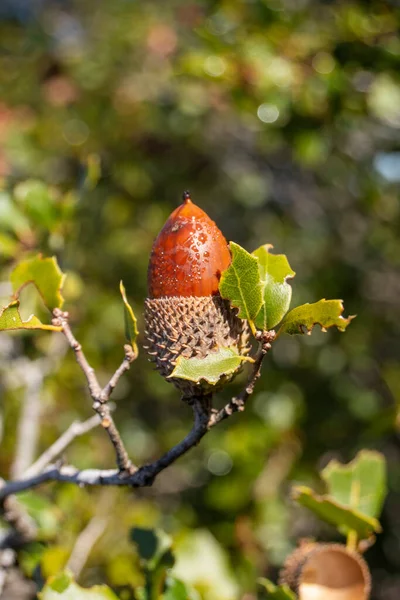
(326, 572)
(190, 327)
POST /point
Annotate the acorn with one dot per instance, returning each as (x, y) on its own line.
(317, 571)
(184, 313)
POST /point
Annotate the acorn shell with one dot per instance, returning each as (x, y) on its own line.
(188, 255)
(326, 572)
(192, 327)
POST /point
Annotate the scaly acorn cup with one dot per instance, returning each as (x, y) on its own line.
(184, 313)
(317, 571)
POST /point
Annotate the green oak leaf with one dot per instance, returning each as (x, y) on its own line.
(361, 484)
(211, 368)
(175, 589)
(10, 319)
(343, 517)
(11, 217)
(147, 541)
(45, 274)
(63, 587)
(154, 549)
(274, 271)
(241, 284)
(131, 330)
(276, 592)
(38, 202)
(326, 313)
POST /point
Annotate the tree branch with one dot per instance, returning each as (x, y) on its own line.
(74, 430)
(28, 425)
(204, 419)
(84, 544)
(22, 527)
(100, 396)
(7, 560)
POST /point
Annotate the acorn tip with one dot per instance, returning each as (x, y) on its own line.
(186, 196)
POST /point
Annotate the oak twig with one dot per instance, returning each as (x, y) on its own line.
(7, 560)
(100, 396)
(28, 425)
(204, 419)
(75, 430)
(84, 544)
(238, 403)
(22, 527)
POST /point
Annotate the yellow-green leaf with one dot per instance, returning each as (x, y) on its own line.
(131, 330)
(274, 272)
(93, 172)
(276, 592)
(45, 274)
(361, 484)
(241, 283)
(343, 517)
(11, 217)
(11, 319)
(63, 587)
(211, 368)
(326, 313)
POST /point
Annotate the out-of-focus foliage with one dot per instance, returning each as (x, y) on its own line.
(355, 494)
(45, 274)
(62, 587)
(361, 484)
(275, 592)
(283, 119)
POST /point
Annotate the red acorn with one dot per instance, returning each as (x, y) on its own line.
(185, 315)
(188, 255)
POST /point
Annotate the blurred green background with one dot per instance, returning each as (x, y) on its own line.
(282, 117)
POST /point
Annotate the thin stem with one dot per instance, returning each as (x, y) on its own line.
(130, 356)
(204, 419)
(351, 543)
(100, 396)
(84, 544)
(61, 318)
(74, 430)
(23, 528)
(33, 373)
(238, 403)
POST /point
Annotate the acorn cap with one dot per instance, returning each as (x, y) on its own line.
(192, 327)
(326, 572)
(184, 314)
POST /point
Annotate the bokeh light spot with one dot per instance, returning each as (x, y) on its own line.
(219, 463)
(75, 132)
(268, 113)
(215, 66)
